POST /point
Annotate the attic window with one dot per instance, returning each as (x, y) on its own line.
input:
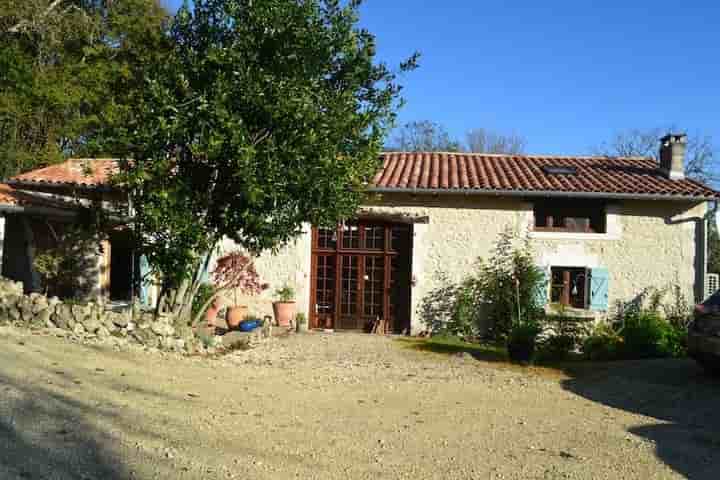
(573, 215)
(559, 170)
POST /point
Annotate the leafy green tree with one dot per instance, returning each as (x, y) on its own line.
(68, 70)
(268, 114)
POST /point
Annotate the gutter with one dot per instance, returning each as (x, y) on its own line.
(543, 193)
(61, 186)
(47, 211)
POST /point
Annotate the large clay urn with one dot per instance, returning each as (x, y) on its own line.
(284, 312)
(235, 315)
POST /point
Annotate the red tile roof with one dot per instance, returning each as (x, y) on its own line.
(76, 172)
(520, 174)
(459, 172)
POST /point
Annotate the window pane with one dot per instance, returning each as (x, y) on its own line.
(327, 238)
(351, 236)
(375, 237)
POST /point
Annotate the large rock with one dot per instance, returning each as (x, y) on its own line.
(8, 287)
(39, 303)
(63, 317)
(237, 340)
(42, 319)
(26, 310)
(81, 312)
(120, 320)
(91, 324)
(146, 337)
(13, 314)
(162, 329)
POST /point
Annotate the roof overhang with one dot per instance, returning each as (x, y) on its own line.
(38, 210)
(543, 194)
(62, 186)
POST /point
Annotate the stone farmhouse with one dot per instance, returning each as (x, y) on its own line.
(603, 229)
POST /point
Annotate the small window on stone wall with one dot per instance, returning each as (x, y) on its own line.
(569, 286)
(571, 215)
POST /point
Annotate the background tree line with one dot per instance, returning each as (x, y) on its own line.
(69, 70)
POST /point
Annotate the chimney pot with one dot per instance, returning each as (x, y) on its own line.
(672, 155)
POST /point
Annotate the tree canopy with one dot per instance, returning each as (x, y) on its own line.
(68, 70)
(267, 114)
(429, 136)
(701, 162)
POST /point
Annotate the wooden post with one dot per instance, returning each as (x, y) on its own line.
(2, 241)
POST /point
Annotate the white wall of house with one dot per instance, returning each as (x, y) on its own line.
(290, 265)
(647, 244)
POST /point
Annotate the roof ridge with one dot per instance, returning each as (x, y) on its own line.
(522, 155)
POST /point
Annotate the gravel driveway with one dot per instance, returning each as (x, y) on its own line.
(345, 406)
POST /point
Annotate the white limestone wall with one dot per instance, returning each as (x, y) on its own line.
(648, 244)
(290, 264)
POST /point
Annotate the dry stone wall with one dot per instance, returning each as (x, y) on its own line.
(92, 323)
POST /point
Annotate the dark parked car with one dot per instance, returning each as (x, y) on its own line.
(704, 334)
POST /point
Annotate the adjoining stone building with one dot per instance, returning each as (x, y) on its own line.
(604, 229)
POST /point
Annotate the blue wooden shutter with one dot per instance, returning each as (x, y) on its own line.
(543, 291)
(599, 280)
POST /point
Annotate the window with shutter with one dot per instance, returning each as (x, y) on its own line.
(599, 284)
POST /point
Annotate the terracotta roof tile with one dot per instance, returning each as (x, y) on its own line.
(78, 172)
(417, 171)
(524, 173)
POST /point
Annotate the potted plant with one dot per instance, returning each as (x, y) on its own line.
(284, 307)
(300, 323)
(236, 272)
(521, 341)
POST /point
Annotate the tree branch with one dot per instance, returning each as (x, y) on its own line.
(18, 27)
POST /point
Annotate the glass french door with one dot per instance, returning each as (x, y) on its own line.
(355, 275)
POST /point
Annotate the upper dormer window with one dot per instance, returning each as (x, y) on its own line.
(570, 215)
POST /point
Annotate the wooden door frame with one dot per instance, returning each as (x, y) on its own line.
(339, 252)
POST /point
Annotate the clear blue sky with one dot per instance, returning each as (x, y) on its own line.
(564, 74)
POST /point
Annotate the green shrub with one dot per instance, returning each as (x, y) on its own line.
(502, 292)
(642, 334)
(508, 284)
(451, 309)
(603, 343)
(522, 339)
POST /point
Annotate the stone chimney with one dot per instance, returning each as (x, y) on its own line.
(672, 155)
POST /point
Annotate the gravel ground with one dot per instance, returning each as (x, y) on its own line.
(345, 406)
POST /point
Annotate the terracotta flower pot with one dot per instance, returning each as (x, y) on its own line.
(284, 312)
(235, 315)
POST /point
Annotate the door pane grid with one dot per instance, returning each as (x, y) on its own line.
(349, 298)
(374, 287)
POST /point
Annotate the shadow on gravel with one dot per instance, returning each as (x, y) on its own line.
(43, 435)
(675, 392)
(483, 352)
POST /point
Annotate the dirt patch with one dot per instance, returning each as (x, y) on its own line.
(343, 406)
